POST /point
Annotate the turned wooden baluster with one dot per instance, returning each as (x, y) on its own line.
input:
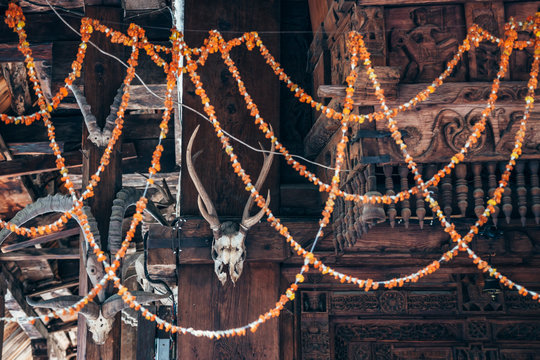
(350, 234)
(535, 190)
(336, 225)
(492, 181)
(478, 192)
(434, 190)
(357, 207)
(389, 184)
(420, 205)
(521, 192)
(446, 185)
(363, 186)
(405, 204)
(506, 198)
(461, 187)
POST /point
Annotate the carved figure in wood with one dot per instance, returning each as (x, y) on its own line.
(228, 246)
(487, 53)
(427, 46)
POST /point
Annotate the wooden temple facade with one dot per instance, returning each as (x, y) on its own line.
(455, 313)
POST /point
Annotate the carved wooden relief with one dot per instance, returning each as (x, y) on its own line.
(314, 302)
(471, 297)
(484, 60)
(392, 302)
(476, 351)
(398, 331)
(517, 331)
(368, 21)
(423, 39)
(315, 340)
(521, 60)
(437, 133)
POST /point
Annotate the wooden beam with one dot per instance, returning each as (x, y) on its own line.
(448, 93)
(19, 306)
(41, 254)
(45, 163)
(61, 326)
(33, 148)
(11, 53)
(263, 243)
(41, 240)
(102, 78)
(67, 283)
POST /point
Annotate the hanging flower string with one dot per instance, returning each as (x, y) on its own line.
(138, 40)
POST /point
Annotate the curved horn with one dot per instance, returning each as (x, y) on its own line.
(90, 310)
(247, 221)
(125, 198)
(206, 206)
(57, 203)
(114, 304)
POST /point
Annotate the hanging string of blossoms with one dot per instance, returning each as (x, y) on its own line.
(141, 211)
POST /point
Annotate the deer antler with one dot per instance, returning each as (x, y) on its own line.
(247, 221)
(206, 207)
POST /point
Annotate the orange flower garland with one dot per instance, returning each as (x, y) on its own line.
(213, 44)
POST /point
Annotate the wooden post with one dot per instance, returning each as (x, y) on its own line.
(2, 314)
(102, 77)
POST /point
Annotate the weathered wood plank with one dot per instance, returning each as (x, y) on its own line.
(41, 240)
(67, 283)
(11, 53)
(448, 93)
(19, 306)
(41, 254)
(33, 148)
(45, 163)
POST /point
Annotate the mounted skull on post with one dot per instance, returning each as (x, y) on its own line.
(100, 313)
(228, 246)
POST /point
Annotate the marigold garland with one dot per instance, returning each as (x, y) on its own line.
(15, 20)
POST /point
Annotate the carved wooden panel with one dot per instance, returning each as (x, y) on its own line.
(393, 302)
(436, 133)
(520, 61)
(315, 339)
(472, 299)
(423, 39)
(368, 21)
(484, 60)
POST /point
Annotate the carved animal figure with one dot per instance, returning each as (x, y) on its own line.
(228, 246)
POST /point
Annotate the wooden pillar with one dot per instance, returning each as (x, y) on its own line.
(102, 78)
(206, 304)
(2, 314)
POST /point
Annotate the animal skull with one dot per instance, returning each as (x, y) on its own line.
(229, 249)
(228, 246)
(100, 328)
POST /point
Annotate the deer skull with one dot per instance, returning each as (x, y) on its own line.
(228, 246)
